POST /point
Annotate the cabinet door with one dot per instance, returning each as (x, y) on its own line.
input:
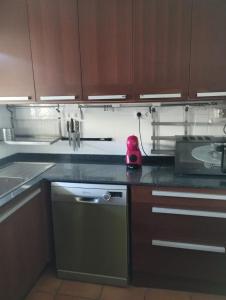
(106, 48)
(16, 76)
(208, 59)
(161, 48)
(55, 49)
(24, 250)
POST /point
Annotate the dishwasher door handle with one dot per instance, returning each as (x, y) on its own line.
(81, 199)
(87, 200)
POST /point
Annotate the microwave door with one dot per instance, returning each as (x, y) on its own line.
(209, 155)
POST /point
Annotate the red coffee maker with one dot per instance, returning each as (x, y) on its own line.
(133, 154)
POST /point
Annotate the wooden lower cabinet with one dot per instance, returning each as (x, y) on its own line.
(179, 238)
(24, 236)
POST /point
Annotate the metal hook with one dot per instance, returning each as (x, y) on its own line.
(58, 108)
(59, 121)
(81, 112)
(11, 115)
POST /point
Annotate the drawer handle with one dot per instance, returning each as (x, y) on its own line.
(188, 195)
(211, 94)
(19, 205)
(188, 246)
(188, 212)
(26, 98)
(52, 98)
(159, 96)
(107, 97)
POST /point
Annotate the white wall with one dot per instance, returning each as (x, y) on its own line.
(5, 150)
(97, 123)
(118, 124)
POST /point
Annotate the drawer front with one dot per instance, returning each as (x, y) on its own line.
(164, 262)
(176, 224)
(199, 199)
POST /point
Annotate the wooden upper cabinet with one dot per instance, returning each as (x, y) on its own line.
(55, 49)
(16, 76)
(162, 33)
(208, 49)
(106, 48)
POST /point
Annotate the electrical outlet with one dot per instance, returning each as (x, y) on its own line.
(139, 115)
(143, 114)
(136, 116)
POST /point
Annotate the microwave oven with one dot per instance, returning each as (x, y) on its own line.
(200, 155)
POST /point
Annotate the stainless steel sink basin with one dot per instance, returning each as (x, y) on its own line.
(16, 174)
(25, 170)
(9, 183)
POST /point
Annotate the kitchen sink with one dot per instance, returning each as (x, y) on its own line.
(16, 174)
(9, 183)
(25, 170)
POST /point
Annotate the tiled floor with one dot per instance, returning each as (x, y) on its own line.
(49, 287)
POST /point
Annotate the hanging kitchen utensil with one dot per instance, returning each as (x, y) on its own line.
(69, 132)
(78, 133)
(72, 129)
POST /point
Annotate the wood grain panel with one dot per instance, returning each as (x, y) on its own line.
(144, 195)
(162, 46)
(55, 47)
(24, 250)
(208, 60)
(178, 228)
(165, 265)
(177, 264)
(16, 75)
(106, 46)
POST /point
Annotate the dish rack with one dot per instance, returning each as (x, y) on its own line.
(9, 137)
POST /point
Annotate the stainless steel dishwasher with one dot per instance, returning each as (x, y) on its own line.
(91, 232)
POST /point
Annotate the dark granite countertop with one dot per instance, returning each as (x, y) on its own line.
(118, 174)
(158, 173)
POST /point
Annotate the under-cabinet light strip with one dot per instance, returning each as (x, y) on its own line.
(52, 98)
(26, 98)
(211, 94)
(159, 96)
(107, 97)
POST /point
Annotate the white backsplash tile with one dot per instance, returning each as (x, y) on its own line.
(118, 124)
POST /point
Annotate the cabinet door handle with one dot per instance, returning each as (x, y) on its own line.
(211, 94)
(26, 98)
(52, 98)
(188, 212)
(107, 97)
(159, 96)
(23, 201)
(189, 195)
(188, 246)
